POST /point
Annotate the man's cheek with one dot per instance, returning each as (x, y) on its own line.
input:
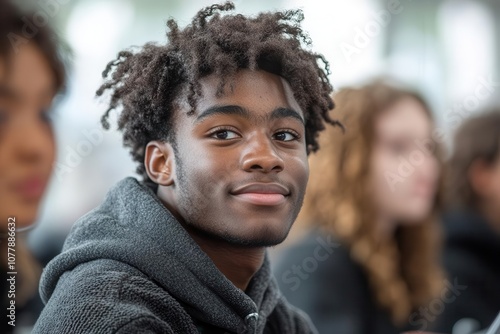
(299, 169)
(205, 186)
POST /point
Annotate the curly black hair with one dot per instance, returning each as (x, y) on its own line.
(146, 83)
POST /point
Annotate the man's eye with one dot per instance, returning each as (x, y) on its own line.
(285, 136)
(225, 134)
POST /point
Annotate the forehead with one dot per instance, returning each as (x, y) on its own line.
(258, 91)
(30, 74)
(405, 117)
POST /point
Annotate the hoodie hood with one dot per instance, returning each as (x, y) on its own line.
(132, 226)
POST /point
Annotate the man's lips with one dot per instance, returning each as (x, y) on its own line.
(268, 194)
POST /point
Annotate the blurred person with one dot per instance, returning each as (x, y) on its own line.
(220, 120)
(31, 74)
(371, 257)
(472, 225)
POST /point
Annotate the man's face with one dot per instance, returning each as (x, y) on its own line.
(241, 163)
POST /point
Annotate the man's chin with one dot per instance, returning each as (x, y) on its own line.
(262, 236)
(255, 243)
(265, 239)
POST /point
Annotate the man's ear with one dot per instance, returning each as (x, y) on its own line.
(159, 161)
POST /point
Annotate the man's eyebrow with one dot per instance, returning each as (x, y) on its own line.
(223, 110)
(286, 112)
(240, 111)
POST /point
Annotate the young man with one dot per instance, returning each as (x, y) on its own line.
(220, 121)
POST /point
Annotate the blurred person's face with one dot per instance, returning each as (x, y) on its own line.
(241, 162)
(405, 174)
(485, 180)
(26, 139)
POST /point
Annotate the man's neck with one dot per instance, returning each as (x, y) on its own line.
(238, 264)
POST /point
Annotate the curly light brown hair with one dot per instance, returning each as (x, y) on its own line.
(403, 273)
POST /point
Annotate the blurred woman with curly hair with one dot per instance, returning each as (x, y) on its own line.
(373, 197)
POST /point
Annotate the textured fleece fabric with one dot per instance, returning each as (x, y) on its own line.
(128, 266)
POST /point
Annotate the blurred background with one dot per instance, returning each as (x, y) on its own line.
(448, 49)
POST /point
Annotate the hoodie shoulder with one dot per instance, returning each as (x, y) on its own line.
(106, 296)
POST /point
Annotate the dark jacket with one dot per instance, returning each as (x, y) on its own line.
(129, 267)
(471, 258)
(319, 276)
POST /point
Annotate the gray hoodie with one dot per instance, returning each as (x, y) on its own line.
(128, 266)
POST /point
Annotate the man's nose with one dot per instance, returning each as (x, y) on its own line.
(260, 154)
